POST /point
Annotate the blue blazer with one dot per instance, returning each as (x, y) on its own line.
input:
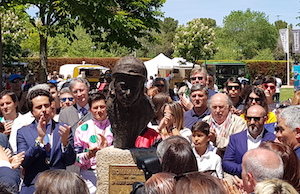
(4, 141)
(236, 149)
(35, 156)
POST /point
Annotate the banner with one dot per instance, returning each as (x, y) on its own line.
(284, 36)
(297, 77)
(296, 41)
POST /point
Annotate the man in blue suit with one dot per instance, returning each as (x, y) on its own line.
(246, 140)
(47, 144)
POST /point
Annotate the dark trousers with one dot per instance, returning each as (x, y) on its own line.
(276, 97)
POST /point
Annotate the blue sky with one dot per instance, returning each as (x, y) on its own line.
(186, 10)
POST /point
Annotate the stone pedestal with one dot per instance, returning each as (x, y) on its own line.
(118, 160)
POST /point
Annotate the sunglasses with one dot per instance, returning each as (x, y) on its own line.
(194, 78)
(256, 99)
(282, 106)
(159, 85)
(235, 87)
(65, 99)
(266, 86)
(255, 118)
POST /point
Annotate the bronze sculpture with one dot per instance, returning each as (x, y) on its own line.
(128, 108)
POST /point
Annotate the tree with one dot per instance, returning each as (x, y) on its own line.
(12, 31)
(209, 22)
(251, 31)
(167, 29)
(194, 41)
(265, 54)
(108, 21)
(279, 24)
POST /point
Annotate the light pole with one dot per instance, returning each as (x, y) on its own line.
(93, 48)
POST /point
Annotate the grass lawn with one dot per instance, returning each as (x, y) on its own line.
(286, 93)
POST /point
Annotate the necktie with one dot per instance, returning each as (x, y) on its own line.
(47, 142)
(83, 111)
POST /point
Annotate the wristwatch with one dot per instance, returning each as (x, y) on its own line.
(38, 143)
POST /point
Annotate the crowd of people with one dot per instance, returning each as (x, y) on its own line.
(240, 140)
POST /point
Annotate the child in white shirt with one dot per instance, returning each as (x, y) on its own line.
(207, 159)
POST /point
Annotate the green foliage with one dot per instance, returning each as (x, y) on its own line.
(280, 24)
(250, 30)
(265, 67)
(31, 44)
(209, 22)
(160, 40)
(14, 30)
(121, 21)
(226, 49)
(265, 54)
(194, 41)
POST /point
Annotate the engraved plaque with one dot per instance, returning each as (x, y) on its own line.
(121, 178)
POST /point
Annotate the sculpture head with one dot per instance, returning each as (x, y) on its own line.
(129, 109)
(129, 76)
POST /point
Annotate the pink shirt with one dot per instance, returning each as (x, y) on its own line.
(86, 135)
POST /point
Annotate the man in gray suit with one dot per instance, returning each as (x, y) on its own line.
(79, 112)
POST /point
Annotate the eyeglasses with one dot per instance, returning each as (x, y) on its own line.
(159, 85)
(256, 99)
(282, 105)
(194, 78)
(65, 99)
(255, 118)
(235, 87)
(266, 86)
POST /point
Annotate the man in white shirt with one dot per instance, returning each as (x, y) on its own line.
(276, 96)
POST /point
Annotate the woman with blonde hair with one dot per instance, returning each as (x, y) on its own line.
(172, 122)
(274, 186)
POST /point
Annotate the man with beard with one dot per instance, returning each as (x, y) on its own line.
(246, 140)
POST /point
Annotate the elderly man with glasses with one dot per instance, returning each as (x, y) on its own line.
(246, 140)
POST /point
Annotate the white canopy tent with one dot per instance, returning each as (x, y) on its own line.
(158, 62)
(166, 65)
(181, 63)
